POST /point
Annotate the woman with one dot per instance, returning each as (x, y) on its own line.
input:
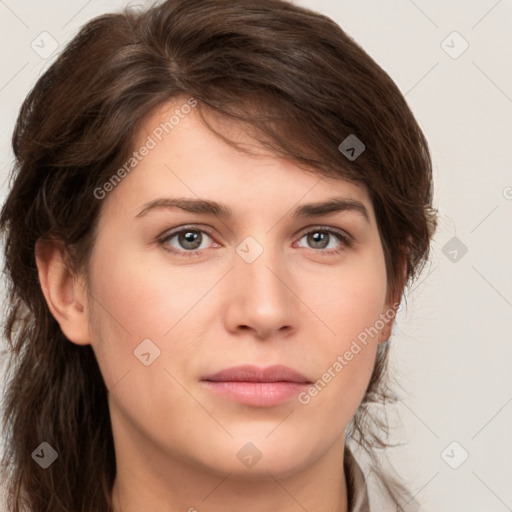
(215, 210)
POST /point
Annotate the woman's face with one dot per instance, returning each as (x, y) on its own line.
(179, 295)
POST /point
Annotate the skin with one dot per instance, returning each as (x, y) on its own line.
(177, 442)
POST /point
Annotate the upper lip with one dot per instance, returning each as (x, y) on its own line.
(251, 373)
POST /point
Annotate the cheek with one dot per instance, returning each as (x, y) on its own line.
(344, 362)
(349, 301)
(125, 308)
(135, 298)
(348, 298)
(143, 295)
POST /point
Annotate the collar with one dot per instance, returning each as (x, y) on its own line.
(357, 492)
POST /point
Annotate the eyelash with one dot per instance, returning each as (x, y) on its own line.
(346, 240)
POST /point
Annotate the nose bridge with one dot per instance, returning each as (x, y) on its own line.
(261, 298)
(259, 268)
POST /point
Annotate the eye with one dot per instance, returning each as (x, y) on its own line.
(190, 241)
(323, 238)
(187, 241)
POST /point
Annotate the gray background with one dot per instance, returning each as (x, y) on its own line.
(452, 345)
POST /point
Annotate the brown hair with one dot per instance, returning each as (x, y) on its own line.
(291, 75)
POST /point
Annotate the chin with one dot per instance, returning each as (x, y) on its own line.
(254, 458)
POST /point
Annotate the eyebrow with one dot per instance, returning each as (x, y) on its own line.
(208, 207)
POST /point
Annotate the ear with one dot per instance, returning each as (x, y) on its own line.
(64, 293)
(388, 317)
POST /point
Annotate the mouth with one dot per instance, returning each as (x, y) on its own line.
(261, 387)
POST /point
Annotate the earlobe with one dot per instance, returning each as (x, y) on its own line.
(64, 293)
(388, 317)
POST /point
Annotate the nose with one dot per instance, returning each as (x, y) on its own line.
(261, 299)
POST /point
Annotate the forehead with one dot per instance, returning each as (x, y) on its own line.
(177, 153)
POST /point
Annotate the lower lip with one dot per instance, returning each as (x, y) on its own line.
(262, 394)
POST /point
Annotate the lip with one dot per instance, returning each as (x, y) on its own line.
(251, 385)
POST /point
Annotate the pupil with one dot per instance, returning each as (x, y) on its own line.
(190, 240)
(319, 238)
